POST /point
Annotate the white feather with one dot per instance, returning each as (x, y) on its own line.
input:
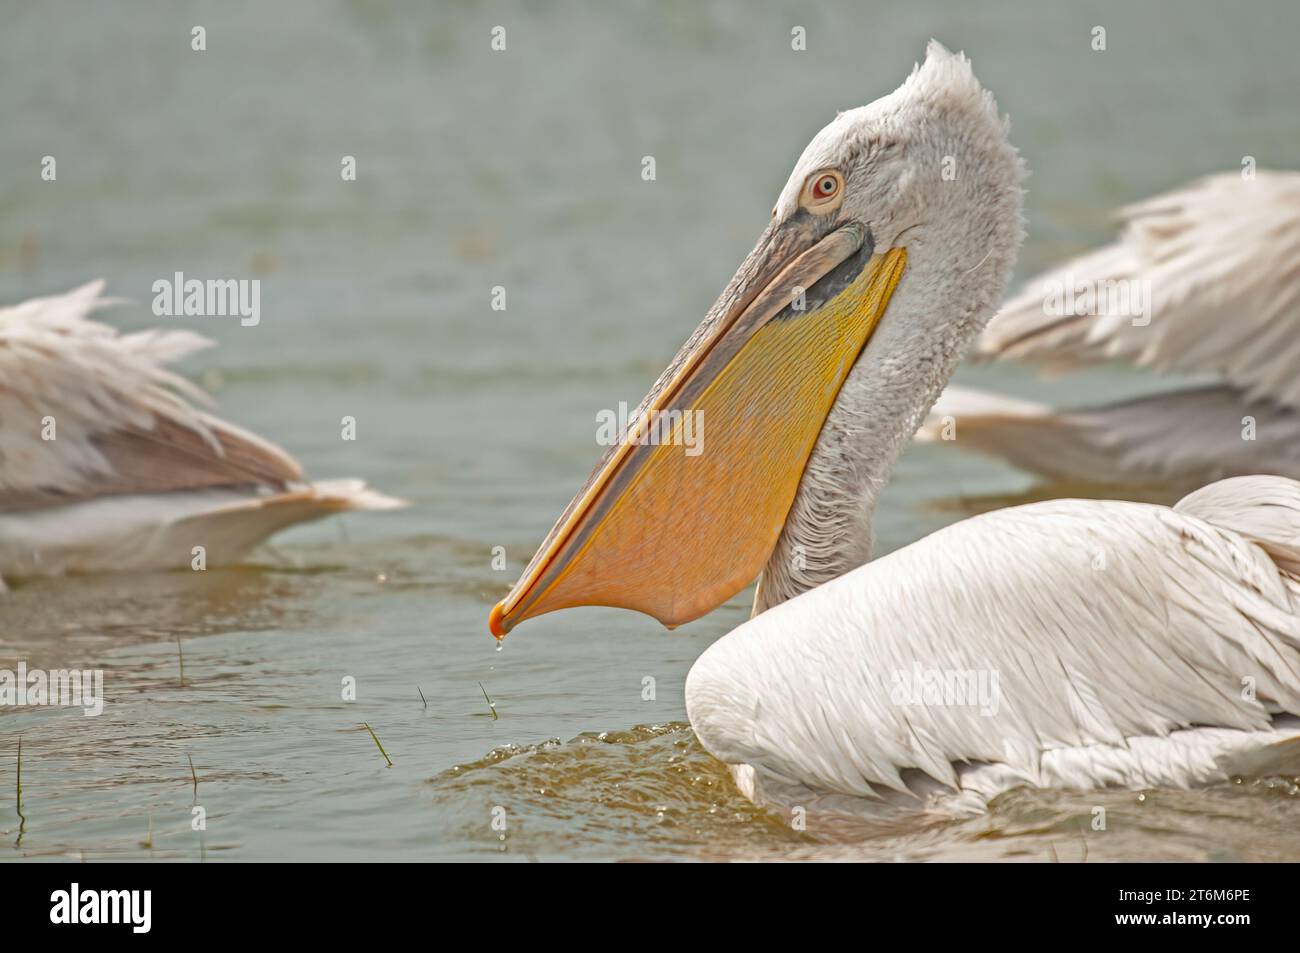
(106, 463)
(1175, 439)
(1222, 258)
(1122, 637)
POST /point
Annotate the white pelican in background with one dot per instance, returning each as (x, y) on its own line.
(105, 464)
(1222, 259)
(1119, 634)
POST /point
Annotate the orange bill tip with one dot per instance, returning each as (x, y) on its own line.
(495, 625)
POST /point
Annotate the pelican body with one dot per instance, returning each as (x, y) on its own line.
(1069, 643)
(107, 464)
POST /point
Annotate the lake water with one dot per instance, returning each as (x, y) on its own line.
(519, 169)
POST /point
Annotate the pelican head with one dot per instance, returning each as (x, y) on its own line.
(887, 251)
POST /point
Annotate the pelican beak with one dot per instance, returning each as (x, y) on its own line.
(684, 510)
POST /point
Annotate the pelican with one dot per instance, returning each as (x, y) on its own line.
(1059, 644)
(107, 464)
(1220, 260)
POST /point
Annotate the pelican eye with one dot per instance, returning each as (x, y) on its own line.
(823, 190)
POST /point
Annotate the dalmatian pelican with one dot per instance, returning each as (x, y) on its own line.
(1220, 260)
(1067, 643)
(107, 464)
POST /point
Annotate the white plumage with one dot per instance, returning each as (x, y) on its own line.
(1166, 442)
(1221, 261)
(1065, 643)
(106, 463)
(1130, 645)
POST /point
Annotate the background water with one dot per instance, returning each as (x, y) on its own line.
(519, 169)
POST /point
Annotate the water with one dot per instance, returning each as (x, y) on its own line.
(522, 170)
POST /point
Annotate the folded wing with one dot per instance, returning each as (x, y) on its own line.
(1221, 262)
(1066, 643)
(87, 412)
